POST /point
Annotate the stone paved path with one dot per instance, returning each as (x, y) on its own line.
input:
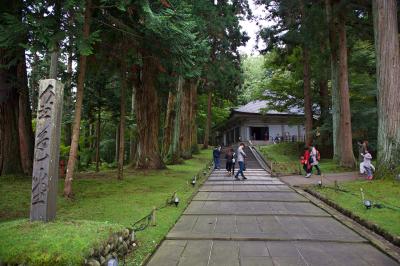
(260, 221)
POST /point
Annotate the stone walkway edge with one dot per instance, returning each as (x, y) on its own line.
(265, 223)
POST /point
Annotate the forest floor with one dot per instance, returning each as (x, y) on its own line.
(101, 204)
(285, 159)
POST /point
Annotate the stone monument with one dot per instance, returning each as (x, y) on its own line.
(47, 150)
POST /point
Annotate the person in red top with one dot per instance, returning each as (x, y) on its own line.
(305, 161)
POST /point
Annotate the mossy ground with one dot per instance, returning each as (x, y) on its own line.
(101, 203)
(385, 192)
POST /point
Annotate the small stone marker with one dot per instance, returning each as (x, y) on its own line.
(47, 151)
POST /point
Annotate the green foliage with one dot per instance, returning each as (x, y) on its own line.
(385, 192)
(96, 198)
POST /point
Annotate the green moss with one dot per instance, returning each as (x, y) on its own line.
(101, 199)
(385, 192)
(285, 158)
(55, 243)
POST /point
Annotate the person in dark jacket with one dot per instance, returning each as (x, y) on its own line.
(216, 156)
(230, 161)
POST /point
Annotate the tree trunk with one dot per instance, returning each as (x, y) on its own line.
(388, 82)
(147, 117)
(169, 119)
(68, 98)
(193, 116)
(208, 122)
(117, 134)
(73, 153)
(121, 153)
(132, 137)
(98, 135)
(174, 155)
(347, 156)
(324, 99)
(332, 21)
(26, 138)
(307, 95)
(185, 123)
(55, 49)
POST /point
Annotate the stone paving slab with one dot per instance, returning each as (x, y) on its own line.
(244, 182)
(237, 227)
(251, 196)
(253, 253)
(255, 188)
(254, 208)
(249, 178)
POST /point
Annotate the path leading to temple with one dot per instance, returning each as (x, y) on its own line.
(260, 221)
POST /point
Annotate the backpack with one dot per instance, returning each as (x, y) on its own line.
(318, 155)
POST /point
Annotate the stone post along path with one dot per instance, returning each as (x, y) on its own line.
(260, 221)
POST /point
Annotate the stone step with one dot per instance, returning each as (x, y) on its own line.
(254, 253)
(250, 188)
(287, 196)
(244, 182)
(262, 228)
(253, 208)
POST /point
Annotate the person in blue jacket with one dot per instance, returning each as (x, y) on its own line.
(216, 156)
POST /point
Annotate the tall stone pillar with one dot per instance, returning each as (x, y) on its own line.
(47, 150)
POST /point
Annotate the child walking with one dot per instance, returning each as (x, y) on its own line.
(367, 164)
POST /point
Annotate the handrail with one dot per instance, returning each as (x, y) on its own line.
(260, 159)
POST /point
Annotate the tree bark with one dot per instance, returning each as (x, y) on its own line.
(347, 156)
(169, 119)
(98, 135)
(208, 122)
(121, 153)
(306, 82)
(185, 123)
(332, 21)
(388, 83)
(78, 107)
(193, 116)
(147, 117)
(132, 137)
(68, 97)
(307, 95)
(10, 159)
(174, 155)
(55, 47)
(26, 137)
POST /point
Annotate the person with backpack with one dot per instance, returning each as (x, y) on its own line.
(315, 157)
(216, 157)
(305, 161)
(229, 156)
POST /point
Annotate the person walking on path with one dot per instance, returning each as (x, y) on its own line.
(240, 158)
(305, 161)
(314, 158)
(229, 160)
(368, 165)
(216, 156)
(362, 149)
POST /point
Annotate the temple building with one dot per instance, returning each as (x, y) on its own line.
(255, 122)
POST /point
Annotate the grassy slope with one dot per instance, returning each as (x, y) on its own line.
(286, 159)
(101, 198)
(385, 192)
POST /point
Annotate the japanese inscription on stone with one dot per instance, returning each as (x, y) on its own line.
(47, 146)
